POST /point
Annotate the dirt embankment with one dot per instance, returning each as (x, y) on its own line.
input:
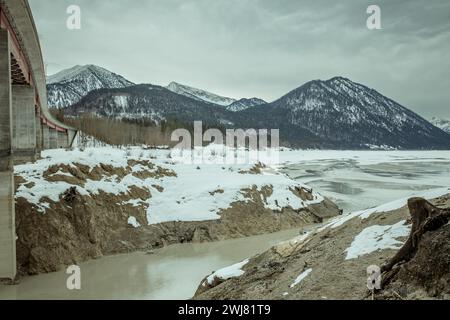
(326, 272)
(80, 227)
(421, 268)
(427, 275)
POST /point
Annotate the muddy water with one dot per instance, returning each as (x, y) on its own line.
(170, 273)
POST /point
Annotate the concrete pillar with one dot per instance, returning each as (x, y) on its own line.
(45, 137)
(5, 103)
(24, 124)
(38, 135)
(53, 134)
(7, 226)
(7, 213)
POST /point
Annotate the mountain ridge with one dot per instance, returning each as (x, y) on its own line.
(200, 94)
(341, 112)
(70, 85)
(441, 123)
(152, 102)
(336, 113)
(245, 103)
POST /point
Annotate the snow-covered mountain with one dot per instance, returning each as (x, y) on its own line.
(69, 86)
(339, 113)
(335, 114)
(146, 101)
(199, 94)
(244, 104)
(443, 124)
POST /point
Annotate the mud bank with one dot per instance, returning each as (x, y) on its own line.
(332, 262)
(87, 228)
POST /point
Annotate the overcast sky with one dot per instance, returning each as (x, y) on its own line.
(247, 48)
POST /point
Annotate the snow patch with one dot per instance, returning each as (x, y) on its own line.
(199, 94)
(233, 271)
(132, 221)
(121, 102)
(376, 238)
(301, 277)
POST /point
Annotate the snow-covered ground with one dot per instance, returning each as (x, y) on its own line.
(386, 207)
(378, 238)
(434, 178)
(198, 192)
(228, 272)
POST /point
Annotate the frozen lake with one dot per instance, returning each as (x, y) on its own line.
(354, 180)
(364, 179)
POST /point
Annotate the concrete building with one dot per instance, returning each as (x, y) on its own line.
(26, 125)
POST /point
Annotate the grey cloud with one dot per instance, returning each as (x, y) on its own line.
(246, 48)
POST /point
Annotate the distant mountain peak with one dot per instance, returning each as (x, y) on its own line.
(335, 81)
(199, 94)
(340, 109)
(244, 104)
(70, 85)
(77, 71)
(441, 123)
(339, 79)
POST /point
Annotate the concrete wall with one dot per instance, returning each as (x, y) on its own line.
(7, 213)
(24, 123)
